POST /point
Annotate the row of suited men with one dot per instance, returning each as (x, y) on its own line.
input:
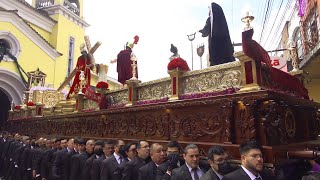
(76, 159)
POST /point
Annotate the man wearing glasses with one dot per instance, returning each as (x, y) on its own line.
(130, 171)
(251, 163)
(217, 158)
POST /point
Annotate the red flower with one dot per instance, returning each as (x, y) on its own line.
(136, 39)
(102, 85)
(17, 107)
(30, 104)
(178, 63)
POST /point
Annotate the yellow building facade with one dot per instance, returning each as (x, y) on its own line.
(47, 35)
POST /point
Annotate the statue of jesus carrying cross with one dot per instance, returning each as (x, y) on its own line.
(85, 63)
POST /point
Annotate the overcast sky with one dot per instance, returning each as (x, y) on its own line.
(158, 24)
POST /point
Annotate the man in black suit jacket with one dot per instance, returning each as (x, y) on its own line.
(191, 169)
(111, 167)
(61, 165)
(78, 161)
(98, 152)
(217, 158)
(130, 171)
(251, 163)
(149, 171)
(174, 161)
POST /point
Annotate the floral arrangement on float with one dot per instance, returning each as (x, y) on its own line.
(102, 85)
(176, 68)
(18, 107)
(178, 64)
(102, 88)
(30, 104)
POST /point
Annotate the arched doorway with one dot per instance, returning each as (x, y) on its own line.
(11, 90)
(4, 106)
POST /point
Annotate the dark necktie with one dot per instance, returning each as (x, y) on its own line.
(195, 174)
(258, 178)
(120, 159)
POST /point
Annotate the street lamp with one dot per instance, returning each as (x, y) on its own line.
(191, 37)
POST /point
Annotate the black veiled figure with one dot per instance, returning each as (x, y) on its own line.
(216, 29)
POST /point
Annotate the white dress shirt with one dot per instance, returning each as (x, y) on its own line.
(117, 157)
(252, 176)
(199, 171)
(219, 175)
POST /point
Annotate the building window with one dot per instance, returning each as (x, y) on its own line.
(11, 43)
(70, 56)
(312, 34)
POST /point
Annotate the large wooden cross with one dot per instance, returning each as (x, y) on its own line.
(91, 51)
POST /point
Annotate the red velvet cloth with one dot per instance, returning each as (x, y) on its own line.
(282, 81)
(82, 60)
(253, 50)
(124, 67)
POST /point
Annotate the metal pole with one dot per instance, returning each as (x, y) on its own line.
(192, 55)
(201, 62)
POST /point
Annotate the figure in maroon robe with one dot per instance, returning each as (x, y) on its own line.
(124, 67)
(83, 64)
(124, 63)
(254, 50)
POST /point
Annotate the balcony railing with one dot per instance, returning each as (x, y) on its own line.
(71, 7)
(44, 3)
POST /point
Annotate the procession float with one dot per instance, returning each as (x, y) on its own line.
(225, 104)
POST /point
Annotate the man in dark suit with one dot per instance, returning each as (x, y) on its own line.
(191, 169)
(130, 151)
(130, 171)
(61, 165)
(251, 163)
(149, 171)
(78, 161)
(111, 167)
(217, 158)
(174, 161)
(98, 152)
(46, 162)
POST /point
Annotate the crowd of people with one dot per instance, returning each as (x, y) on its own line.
(24, 158)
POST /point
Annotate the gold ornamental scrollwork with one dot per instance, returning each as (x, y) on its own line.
(89, 104)
(157, 91)
(120, 96)
(212, 81)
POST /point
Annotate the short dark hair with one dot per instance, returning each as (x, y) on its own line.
(81, 141)
(173, 144)
(247, 146)
(215, 150)
(99, 143)
(116, 143)
(190, 146)
(139, 143)
(76, 140)
(110, 142)
(128, 145)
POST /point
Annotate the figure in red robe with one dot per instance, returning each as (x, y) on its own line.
(124, 63)
(83, 64)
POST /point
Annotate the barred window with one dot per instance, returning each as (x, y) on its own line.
(312, 28)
